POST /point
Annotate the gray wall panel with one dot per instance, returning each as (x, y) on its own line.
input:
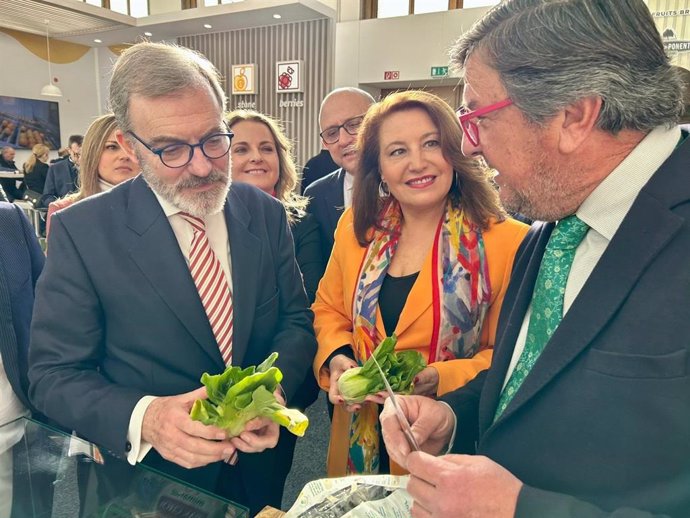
(311, 42)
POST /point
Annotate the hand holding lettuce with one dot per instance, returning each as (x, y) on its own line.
(238, 395)
(400, 369)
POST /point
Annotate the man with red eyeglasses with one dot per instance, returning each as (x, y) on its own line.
(585, 411)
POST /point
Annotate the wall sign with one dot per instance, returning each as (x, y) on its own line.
(391, 75)
(289, 76)
(243, 79)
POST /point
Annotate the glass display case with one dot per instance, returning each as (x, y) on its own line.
(45, 473)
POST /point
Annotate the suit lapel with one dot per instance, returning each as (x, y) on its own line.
(157, 253)
(517, 300)
(245, 255)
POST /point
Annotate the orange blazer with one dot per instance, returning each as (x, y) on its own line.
(333, 315)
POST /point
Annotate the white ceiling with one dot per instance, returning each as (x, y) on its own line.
(78, 22)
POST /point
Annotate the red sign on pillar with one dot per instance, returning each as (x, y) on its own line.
(391, 75)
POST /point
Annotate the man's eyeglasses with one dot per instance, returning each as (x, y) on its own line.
(351, 126)
(179, 155)
(469, 127)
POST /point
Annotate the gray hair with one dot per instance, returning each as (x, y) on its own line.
(349, 90)
(551, 53)
(159, 69)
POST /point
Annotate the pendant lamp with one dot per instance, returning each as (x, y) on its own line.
(50, 89)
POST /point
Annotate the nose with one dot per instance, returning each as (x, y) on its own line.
(256, 156)
(344, 138)
(417, 161)
(469, 149)
(200, 165)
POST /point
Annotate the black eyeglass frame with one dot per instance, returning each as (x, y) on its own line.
(343, 126)
(159, 151)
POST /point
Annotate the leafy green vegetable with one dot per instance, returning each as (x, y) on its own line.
(237, 396)
(400, 369)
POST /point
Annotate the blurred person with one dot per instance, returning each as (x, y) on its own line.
(104, 164)
(21, 262)
(36, 169)
(9, 185)
(261, 155)
(62, 153)
(63, 174)
(317, 167)
(425, 253)
(124, 326)
(585, 410)
(340, 116)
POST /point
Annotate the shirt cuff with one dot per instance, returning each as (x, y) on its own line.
(136, 447)
(449, 448)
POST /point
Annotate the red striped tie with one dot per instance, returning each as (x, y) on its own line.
(212, 285)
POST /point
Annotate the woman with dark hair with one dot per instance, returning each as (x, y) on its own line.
(261, 155)
(425, 253)
(103, 164)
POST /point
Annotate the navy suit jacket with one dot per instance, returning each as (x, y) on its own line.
(118, 316)
(21, 262)
(61, 180)
(327, 204)
(601, 425)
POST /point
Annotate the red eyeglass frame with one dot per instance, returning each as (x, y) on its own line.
(466, 118)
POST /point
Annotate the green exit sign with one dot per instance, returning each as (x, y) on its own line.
(439, 71)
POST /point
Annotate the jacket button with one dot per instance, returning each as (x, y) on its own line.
(128, 447)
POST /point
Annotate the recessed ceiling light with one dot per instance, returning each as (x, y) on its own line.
(208, 26)
(149, 34)
(277, 16)
(97, 41)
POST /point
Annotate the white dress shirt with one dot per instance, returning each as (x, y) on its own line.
(217, 233)
(604, 210)
(348, 184)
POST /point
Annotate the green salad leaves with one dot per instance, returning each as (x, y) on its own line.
(400, 369)
(238, 395)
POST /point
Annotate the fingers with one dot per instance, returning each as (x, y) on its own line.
(338, 365)
(258, 435)
(396, 442)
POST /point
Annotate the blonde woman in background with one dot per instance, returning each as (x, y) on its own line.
(36, 168)
(104, 164)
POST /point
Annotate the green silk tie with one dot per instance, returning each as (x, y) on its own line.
(547, 301)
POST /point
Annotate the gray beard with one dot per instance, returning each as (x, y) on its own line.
(197, 204)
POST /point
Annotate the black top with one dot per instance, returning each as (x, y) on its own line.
(392, 299)
(36, 179)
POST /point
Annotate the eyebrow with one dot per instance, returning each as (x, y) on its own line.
(401, 143)
(163, 140)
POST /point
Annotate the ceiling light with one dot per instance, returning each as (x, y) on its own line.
(277, 16)
(50, 89)
(149, 34)
(97, 41)
(208, 26)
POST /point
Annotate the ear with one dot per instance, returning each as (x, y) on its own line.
(126, 145)
(578, 122)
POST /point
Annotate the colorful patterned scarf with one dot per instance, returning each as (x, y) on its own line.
(461, 295)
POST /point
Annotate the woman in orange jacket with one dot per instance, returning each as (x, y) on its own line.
(425, 252)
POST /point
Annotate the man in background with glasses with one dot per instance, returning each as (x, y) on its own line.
(341, 114)
(165, 277)
(585, 410)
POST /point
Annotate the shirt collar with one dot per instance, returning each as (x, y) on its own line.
(607, 205)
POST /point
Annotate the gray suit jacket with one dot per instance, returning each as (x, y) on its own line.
(601, 425)
(117, 314)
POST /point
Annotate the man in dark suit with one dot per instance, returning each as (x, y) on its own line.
(585, 410)
(317, 167)
(63, 175)
(9, 185)
(21, 262)
(341, 113)
(122, 334)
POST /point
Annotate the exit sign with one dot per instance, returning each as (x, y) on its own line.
(391, 75)
(439, 71)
